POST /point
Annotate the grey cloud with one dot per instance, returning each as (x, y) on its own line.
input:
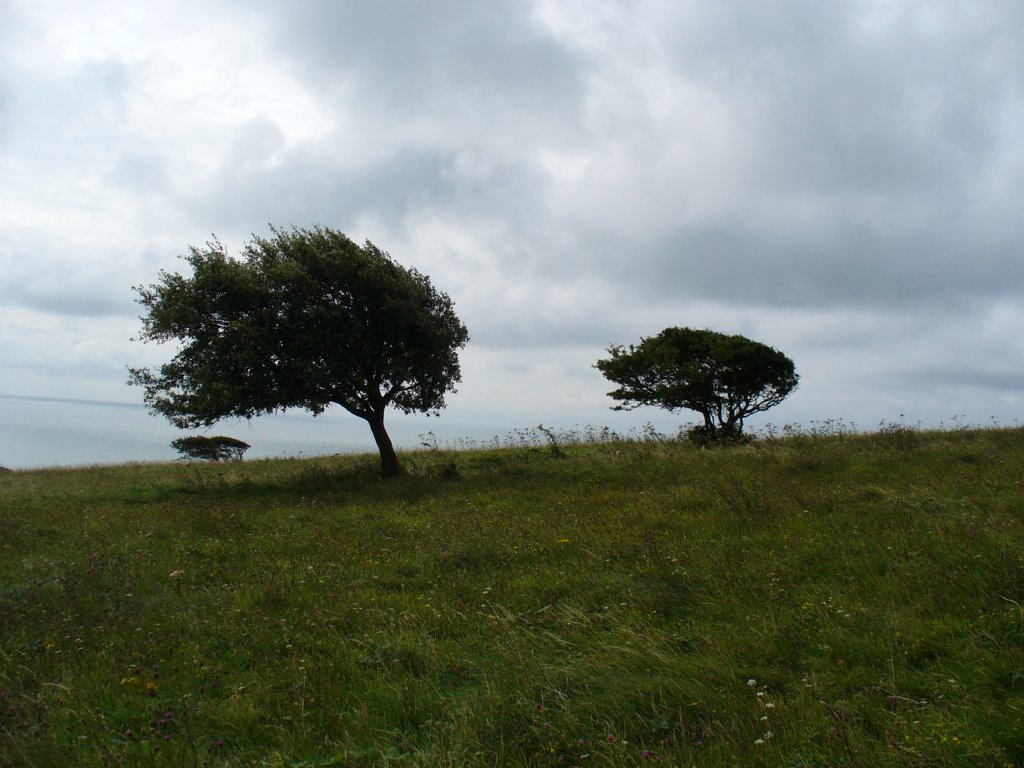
(260, 181)
(81, 294)
(71, 301)
(999, 379)
(432, 72)
(409, 52)
(10, 26)
(94, 283)
(303, 189)
(80, 114)
(770, 169)
(858, 172)
(142, 170)
(855, 263)
(5, 109)
(858, 175)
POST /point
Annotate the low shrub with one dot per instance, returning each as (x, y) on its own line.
(219, 448)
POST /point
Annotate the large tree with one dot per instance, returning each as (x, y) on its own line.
(303, 319)
(723, 378)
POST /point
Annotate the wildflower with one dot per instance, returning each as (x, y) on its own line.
(759, 741)
(769, 705)
(177, 574)
(751, 682)
(646, 754)
(219, 743)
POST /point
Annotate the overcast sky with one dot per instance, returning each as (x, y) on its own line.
(841, 180)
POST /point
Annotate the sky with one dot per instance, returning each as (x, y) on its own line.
(839, 180)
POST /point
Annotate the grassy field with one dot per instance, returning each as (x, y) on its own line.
(823, 599)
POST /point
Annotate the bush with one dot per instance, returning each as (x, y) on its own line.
(219, 448)
(708, 435)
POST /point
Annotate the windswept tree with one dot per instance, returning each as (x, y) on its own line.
(303, 319)
(723, 378)
(218, 448)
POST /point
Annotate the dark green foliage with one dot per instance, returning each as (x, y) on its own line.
(723, 378)
(219, 448)
(303, 319)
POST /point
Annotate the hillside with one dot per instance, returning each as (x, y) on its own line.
(823, 599)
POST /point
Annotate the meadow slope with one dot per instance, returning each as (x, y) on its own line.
(818, 600)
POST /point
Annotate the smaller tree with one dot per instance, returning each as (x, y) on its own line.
(723, 378)
(219, 448)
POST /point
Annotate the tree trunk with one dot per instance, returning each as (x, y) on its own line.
(388, 459)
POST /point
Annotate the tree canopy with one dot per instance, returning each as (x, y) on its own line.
(724, 378)
(305, 318)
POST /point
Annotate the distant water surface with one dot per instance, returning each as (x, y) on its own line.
(42, 432)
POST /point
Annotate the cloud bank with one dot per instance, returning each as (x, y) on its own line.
(839, 181)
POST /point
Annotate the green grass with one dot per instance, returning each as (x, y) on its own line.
(817, 600)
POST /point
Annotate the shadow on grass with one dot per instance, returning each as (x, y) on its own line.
(346, 478)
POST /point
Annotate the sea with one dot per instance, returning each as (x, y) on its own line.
(40, 432)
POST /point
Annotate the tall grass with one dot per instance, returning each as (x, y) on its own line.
(816, 598)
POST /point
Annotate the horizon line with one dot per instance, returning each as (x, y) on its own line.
(76, 400)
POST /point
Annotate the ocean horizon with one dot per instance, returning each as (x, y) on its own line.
(41, 432)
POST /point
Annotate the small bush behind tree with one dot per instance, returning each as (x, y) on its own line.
(219, 448)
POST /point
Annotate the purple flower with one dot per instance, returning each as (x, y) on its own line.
(646, 754)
